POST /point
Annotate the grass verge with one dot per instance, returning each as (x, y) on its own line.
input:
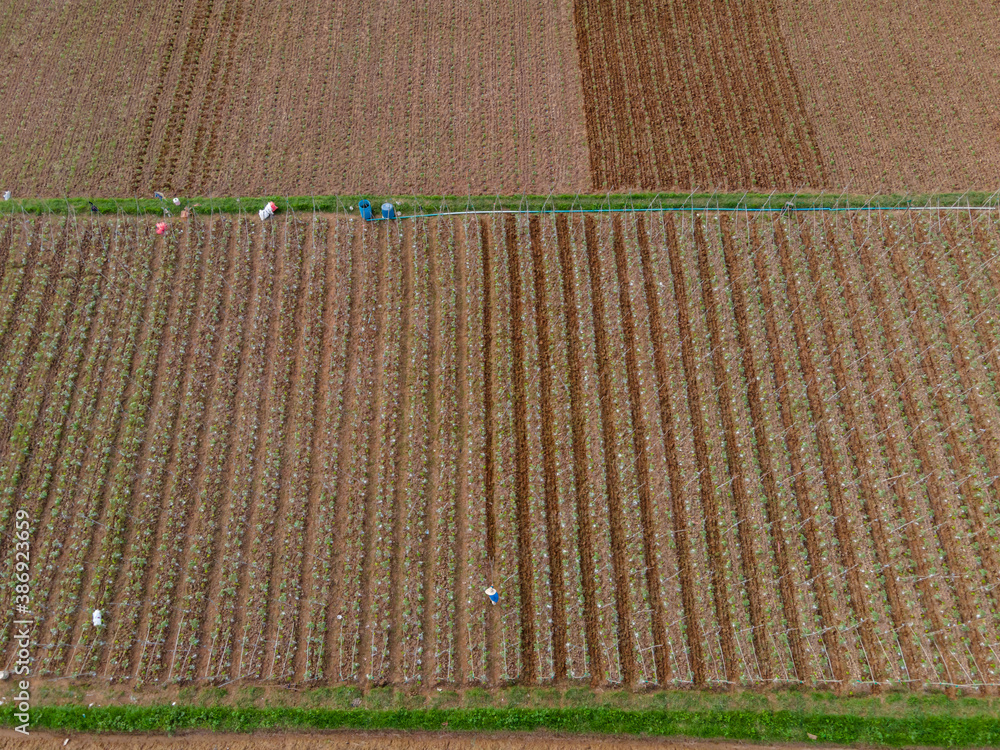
(426, 204)
(756, 726)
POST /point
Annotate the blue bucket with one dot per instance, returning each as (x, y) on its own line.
(388, 212)
(365, 206)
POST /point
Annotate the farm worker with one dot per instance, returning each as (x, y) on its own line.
(161, 227)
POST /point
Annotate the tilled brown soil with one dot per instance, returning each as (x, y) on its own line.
(299, 452)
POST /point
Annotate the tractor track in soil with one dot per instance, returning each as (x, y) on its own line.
(616, 521)
(829, 463)
(734, 464)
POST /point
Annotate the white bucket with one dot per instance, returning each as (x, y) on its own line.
(6, 195)
(268, 211)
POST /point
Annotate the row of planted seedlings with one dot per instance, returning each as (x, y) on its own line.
(289, 567)
(359, 454)
(411, 493)
(234, 494)
(888, 557)
(957, 360)
(27, 462)
(132, 520)
(22, 441)
(342, 280)
(753, 595)
(342, 524)
(52, 420)
(854, 561)
(58, 544)
(797, 466)
(780, 554)
(927, 462)
(30, 308)
(160, 605)
(250, 605)
(252, 610)
(933, 655)
(112, 437)
(656, 332)
(215, 453)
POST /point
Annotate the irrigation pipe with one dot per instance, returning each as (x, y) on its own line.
(691, 209)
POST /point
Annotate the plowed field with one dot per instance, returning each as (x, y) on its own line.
(685, 448)
(474, 97)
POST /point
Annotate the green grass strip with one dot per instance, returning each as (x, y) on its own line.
(757, 726)
(407, 205)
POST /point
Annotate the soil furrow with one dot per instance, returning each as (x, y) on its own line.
(787, 579)
(817, 570)
(553, 532)
(525, 572)
(581, 471)
(830, 465)
(935, 482)
(461, 633)
(692, 627)
(733, 461)
(650, 549)
(345, 447)
(900, 483)
(400, 489)
(706, 488)
(623, 605)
